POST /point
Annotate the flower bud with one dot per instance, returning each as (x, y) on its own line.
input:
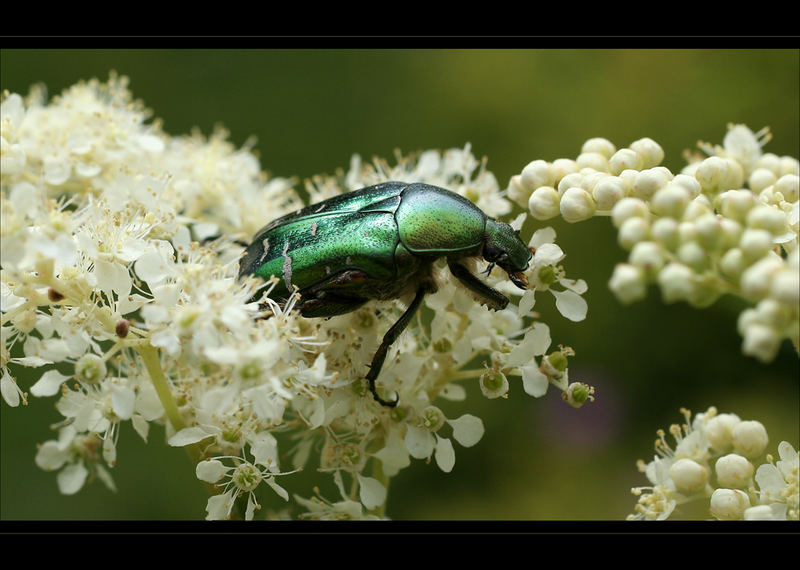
(624, 159)
(755, 243)
(756, 280)
(608, 191)
(689, 476)
(769, 218)
(719, 431)
(786, 286)
(647, 256)
(593, 160)
(665, 232)
(736, 203)
(788, 186)
(732, 263)
(750, 438)
(694, 256)
(649, 151)
(599, 145)
(632, 231)
(789, 165)
(628, 283)
(560, 168)
(649, 181)
(760, 178)
(536, 174)
(676, 282)
(629, 208)
(544, 203)
(729, 504)
(577, 205)
(517, 191)
(733, 471)
(671, 201)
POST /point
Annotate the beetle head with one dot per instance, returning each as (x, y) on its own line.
(502, 246)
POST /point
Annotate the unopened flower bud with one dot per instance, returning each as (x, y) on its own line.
(729, 504)
(624, 159)
(544, 203)
(599, 145)
(632, 231)
(647, 256)
(689, 476)
(628, 283)
(719, 431)
(649, 151)
(608, 191)
(760, 178)
(577, 205)
(665, 232)
(788, 186)
(676, 283)
(649, 181)
(593, 160)
(750, 438)
(535, 174)
(629, 208)
(733, 471)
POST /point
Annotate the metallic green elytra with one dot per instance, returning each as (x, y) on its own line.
(380, 242)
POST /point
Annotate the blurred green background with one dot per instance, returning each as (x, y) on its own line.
(312, 109)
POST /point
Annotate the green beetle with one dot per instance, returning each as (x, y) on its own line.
(380, 242)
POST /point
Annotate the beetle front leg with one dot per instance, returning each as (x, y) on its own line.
(490, 297)
(388, 339)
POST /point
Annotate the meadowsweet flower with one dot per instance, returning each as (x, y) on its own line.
(119, 256)
(725, 224)
(713, 460)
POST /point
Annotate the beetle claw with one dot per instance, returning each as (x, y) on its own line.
(518, 278)
(380, 400)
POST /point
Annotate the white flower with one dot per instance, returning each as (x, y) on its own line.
(779, 482)
(243, 478)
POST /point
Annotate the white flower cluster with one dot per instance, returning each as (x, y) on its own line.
(713, 460)
(109, 295)
(725, 224)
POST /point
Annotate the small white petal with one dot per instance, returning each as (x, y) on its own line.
(533, 381)
(123, 399)
(49, 384)
(419, 442)
(211, 470)
(71, 478)
(371, 492)
(219, 507)
(188, 436)
(445, 454)
(467, 430)
(571, 305)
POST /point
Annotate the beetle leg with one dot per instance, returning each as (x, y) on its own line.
(391, 335)
(490, 297)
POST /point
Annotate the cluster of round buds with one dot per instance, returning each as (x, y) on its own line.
(714, 459)
(725, 224)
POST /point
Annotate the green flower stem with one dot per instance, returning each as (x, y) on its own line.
(152, 362)
(379, 474)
